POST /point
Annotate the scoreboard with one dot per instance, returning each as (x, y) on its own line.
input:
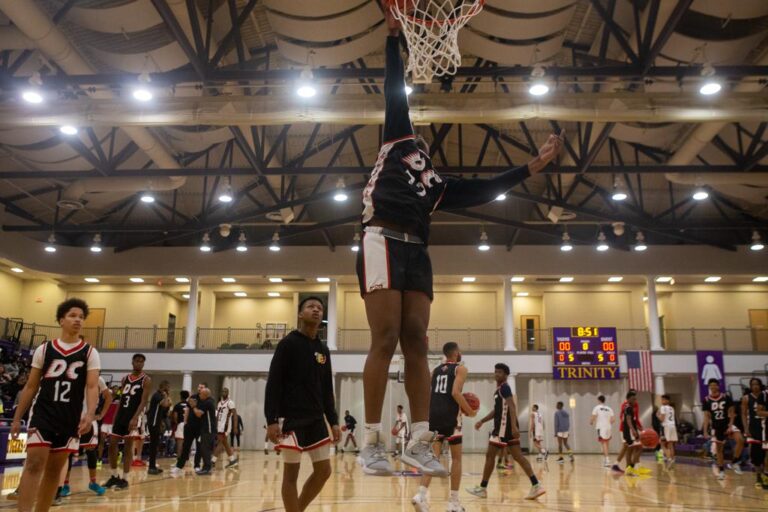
(585, 353)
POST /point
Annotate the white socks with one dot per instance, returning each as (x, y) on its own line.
(454, 496)
(372, 431)
(423, 491)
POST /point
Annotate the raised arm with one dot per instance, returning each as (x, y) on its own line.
(397, 122)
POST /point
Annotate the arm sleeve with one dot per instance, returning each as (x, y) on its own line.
(466, 193)
(397, 123)
(274, 384)
(329, 402)
(38, 358)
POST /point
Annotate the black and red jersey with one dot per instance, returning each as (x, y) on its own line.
(130, 399)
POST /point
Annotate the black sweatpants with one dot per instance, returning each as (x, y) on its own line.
(204, 450)
(155, 433)
(189, 437)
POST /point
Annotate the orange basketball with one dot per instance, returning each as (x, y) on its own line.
(473, 401)
(343, 428)
(395, 431)
(649, 438)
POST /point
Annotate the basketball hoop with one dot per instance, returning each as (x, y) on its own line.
(431, 28)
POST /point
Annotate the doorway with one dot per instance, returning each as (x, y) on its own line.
(171, 337)
(758, 322)
(532, 339)
(93, 327)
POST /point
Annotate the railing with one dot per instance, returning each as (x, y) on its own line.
(470, 340)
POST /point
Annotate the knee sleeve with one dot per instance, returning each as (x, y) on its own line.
(756, 454)
(91, 457)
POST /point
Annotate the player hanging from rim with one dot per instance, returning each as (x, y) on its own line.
(89, 442)
(666, 415)
(226, 422)
(349, 423)
(446, 407)
(136, 387)
(506, 432)
(536, 428)
(719, 413)
(754, 427)
(64, 375)
(602, 419)
(630, 434)
(393, 267)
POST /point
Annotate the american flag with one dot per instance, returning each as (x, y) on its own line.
(640, 370)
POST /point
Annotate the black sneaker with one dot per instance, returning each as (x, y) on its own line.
(154, 471)
(122, 484)
(112, 482)
(232, 463)
(203, 472)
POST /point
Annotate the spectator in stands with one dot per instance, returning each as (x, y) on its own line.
(4, 377)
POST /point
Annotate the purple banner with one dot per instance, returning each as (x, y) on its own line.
(710, 365)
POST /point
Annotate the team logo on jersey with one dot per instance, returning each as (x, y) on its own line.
(320, 357)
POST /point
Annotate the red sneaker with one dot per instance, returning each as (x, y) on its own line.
(138, 463)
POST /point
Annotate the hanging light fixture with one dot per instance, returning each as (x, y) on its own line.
(306, 85)
(501, 197)
(710, 85)
(538, 86)
(602, 243)
(757, 242)
(96, 247)
(341, 191)
(142, 92)
(484, 245)
(275, 245)
(33, 94)
(619, 194)
(640, 242)
(68, 129)
(566, 245)
(355, 243)
(147, 197)
(206, 245)
(700, 194)
(51, 245)
(226, 195)
(241, 245)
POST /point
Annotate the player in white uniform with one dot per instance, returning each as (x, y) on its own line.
(536, 428)
(226, 421)
(602, 419)
(400, 430)
(666, 415)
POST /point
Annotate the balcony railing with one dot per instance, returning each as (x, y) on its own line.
(359, 340)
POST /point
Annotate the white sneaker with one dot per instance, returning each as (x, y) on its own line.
(176, 472)
(737, 469)
(420, 503)
(480, 492)
(536, 491)
(454, 506)
(373, 459)
(721, 475)
(419, 454)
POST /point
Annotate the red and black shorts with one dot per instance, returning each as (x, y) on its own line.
(450, 433)
(56, 441)
(385, 263)
(91, 438)
(304, 437)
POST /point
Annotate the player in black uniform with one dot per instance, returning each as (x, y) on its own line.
(64, 373)
(755, 427)
(506, 433)
(300, 390)
(349, 423)
(719, 415)
(136, 388)
(630, 435)
(446, 406)
(393, 267)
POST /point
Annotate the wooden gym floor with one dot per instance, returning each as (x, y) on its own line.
(582, 485)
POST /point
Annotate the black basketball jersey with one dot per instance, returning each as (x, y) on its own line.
(752, 403)
(59, 401)
(133, 389)
(501, 417)
(718, 407)
(443, 409)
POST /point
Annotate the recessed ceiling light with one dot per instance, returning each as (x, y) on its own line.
(17, 270)
(241, 294)
(136, 280)
(517, 279)
(186, 295)
(228, 280)
(68, 129)
(566, 279)
(712, 279)
(501, 197)
(275, 279)
(664, 279)
(615, 279)
(91, 279)
(323, 279)
(468, 279)
(32, 96)
(273, 294)
(760, 279)
(522, 294)
(182, 279)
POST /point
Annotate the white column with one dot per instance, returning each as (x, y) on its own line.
(186, 381)
(333, 318)
(191, 334)
(509, 317)
(658, 387)
(654, 330)
(511, 380)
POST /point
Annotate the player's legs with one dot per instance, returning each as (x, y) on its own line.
(622, 452)
(321, 472)
(114, 446)
(127, 455)
(289, 489)
(559, 445)
(34, 467)
(490, 458)
(413, 342)
(604, 445)
(55, 467)
(739, 440)
(456, 453)
(227, 448)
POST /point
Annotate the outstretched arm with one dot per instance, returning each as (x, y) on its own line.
(397, 122)
(466, 193)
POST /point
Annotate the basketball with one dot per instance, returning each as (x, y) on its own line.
(343, 428)
(473, 401)
(649, 438)
(395, 431)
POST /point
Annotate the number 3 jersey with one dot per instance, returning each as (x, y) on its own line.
(64, 371)
(130, 399)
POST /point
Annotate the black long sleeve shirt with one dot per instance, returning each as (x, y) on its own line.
(404, 187)
(300, 382)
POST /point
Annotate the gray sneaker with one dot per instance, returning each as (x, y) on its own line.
(373, 459)
(419, 454)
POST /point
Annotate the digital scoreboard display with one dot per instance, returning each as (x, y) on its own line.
(585, 353)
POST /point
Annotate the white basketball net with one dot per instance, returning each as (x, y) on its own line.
(431, 28)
